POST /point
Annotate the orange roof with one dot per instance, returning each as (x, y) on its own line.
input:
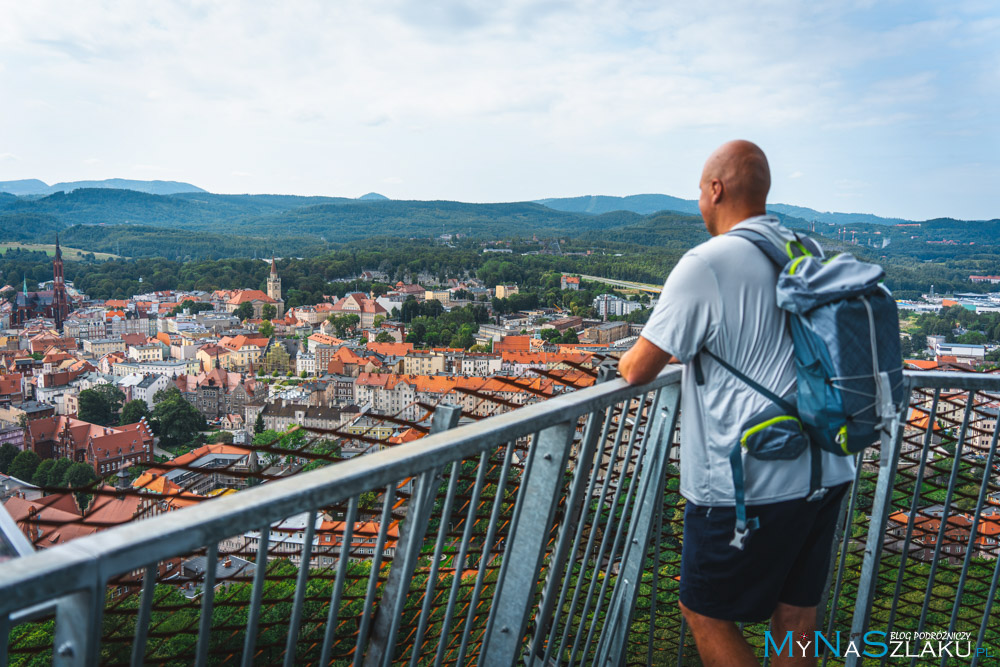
(151, 481)
(323, 339)
(196, 454)
(58, 526)
(948, 302)
(365, 304)
(241, 341)
(116, 303)
(919, 419)
(248, 295)
(390, 349)
(513, 343)
(922, 364)
(519, 357)
(409, 435)
(10, 384)
(442, 384)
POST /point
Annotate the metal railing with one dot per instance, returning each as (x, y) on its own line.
(547, 535)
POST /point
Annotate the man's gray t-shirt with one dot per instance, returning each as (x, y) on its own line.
(721, 296)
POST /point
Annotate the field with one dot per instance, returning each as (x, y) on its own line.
(68, 253)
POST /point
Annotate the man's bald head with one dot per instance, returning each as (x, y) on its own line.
(734, 185)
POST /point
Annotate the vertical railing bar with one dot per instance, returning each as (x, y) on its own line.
(459, 564)
(145, 608)
(382, 647)
(652, 406)
(944, 512)
(338, 587)
(250, 640)
(767, 656)
(367, 611)
(300, 590)
(580, 527)
(425, 611)
(989, 608)
(681, 641)
(599, 604)
(557, 563)
(207, 601)
(616, 450)
(4, 638)
(518, 507)
(645, 494)
(656, 582)
(844, 543)
(487, 552)
(529, 538)
(914, 502)
(892, 438)
(983, 489)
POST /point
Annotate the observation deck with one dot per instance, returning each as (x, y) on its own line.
(546, 535)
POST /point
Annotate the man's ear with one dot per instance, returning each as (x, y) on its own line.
(718, 190)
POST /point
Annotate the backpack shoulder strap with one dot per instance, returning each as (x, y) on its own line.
(777, 255)
(801, 245)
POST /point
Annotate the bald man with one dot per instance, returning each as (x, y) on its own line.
(720, 298)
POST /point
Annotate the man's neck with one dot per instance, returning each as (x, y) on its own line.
(730, 220)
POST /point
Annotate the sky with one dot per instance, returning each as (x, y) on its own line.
(886, 107)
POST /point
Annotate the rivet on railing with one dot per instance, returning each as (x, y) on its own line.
(547, 457)
(66, 650)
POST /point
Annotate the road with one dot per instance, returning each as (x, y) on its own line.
(642, 287)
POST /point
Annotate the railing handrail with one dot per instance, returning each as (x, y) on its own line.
(54, 572)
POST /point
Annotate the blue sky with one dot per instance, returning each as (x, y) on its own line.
(883, 107)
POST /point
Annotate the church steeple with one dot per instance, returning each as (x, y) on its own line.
(60, 302)
(274, 283)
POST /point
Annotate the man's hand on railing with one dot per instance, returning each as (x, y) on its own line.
(643, 362)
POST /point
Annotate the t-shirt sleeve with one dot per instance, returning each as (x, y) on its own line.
(685, 315)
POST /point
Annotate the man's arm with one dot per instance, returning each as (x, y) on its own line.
(643, 362)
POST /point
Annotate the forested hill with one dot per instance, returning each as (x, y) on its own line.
(33, 186)
(203, 225)
(654, 203)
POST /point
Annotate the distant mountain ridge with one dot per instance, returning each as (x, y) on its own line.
(654, 203)
(33, 186)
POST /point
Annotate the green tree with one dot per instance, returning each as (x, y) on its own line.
(258, 425)
(41, 476)
(80, 476)
(58, 472)
(244, 311)
(269, 311)
(7, 454)
(101, 404)
(93, 407)
(266, 328)
(344, 323)
(176, 421)
(24, 465)
(972, 338)
(133, 411)
(384, 337)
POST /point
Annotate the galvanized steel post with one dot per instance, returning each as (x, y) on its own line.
(611, 646)
(526, 547)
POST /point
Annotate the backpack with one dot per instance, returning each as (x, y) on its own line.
(848, 365)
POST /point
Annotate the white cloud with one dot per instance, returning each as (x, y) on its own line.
(488, 101)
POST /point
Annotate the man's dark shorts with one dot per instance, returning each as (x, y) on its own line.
(785, 560)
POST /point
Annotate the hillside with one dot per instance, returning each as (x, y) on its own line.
(33, 186)
(654, 203)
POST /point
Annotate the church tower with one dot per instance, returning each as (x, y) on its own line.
(274, 282)
(60, 302)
